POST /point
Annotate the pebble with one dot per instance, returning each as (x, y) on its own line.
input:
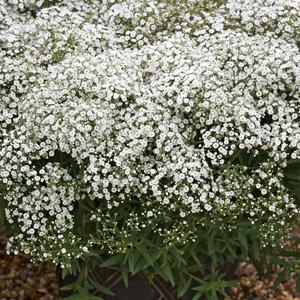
(251, 287)
(22, 280)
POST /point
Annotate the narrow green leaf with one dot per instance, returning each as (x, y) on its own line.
(231, 251)
(195, 257)
(83, 296)
(255, 249)
(244, 243)
(180, 259)
(131, 262)
(204, 287)
(214, 295)
(101, 288)
(93, 254)
(140, 265)
(168, 273)
(64, 272)
(125, 277)
(68, 287)
(157, 255)
(183, 287)
(112, 261)
(279, 279)
(259, 266)
(197, 296)
(145, 254)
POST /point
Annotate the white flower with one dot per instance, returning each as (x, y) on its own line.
(98, 103)
(207, 207)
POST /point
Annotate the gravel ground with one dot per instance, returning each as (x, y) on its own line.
(21, 280)
(251, 287)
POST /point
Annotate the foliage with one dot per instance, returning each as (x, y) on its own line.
(152, 136)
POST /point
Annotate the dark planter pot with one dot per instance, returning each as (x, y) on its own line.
(139, 287)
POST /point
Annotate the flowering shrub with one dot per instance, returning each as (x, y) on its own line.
(127, 121)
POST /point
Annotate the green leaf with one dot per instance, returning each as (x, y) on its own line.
(196, 259)
(125, 276)
(131, 261)
(244, 243)
(157, 255)
(255, 249)
(112, 261)
(279, 279)
(83, 296)
(197, 296)
(183, 287)
(93, 254)
(141, 265)
(259, 266)
(179, 258)
(101, 288)
(64, 273)
(231, 250)
(214, 295)
(143, 250)
(204, 287)
(68, 287)
(166, 269)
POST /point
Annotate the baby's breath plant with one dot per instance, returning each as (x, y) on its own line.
(158, 136)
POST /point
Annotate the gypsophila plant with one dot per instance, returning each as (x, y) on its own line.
(147, 125)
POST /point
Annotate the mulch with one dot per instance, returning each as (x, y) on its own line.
(20, 279)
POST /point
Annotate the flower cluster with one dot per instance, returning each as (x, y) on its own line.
(163, 114)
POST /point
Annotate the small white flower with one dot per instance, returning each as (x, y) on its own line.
(207, 207)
